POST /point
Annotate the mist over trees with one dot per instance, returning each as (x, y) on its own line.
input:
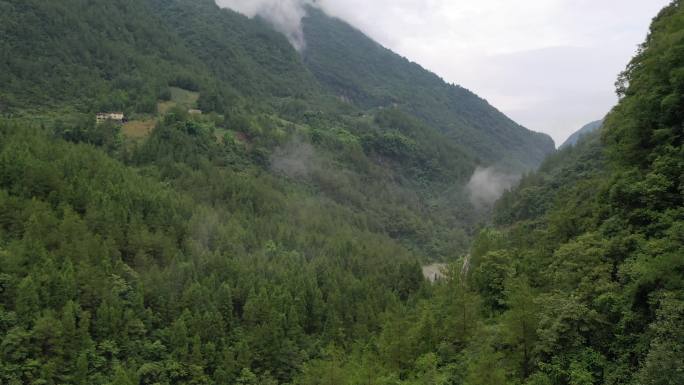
(277, 237)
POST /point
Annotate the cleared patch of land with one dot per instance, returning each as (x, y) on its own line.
(179, 97)
(138, 129)
(434, 272)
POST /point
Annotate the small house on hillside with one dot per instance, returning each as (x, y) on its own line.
(116, 117)
(193, 111)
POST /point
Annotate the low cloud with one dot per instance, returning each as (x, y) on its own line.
(296, 159)
(488, 184)
(285, 15)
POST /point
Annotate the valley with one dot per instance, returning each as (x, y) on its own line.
(263, 215)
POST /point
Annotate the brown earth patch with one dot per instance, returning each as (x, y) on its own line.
(138, 129)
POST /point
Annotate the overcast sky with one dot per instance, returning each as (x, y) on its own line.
(550, 65)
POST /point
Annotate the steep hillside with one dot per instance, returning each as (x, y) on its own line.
(86, 55)
(575, 137)
(406, 136)
(186, 265)
(359, 70)
(581, 281)
(561, 179)
(604, 257)
(277, 237)
(123, 55)
(246, 54)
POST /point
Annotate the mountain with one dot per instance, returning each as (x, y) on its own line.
(587, 252)
(123, 55)
(581, 278)
(277, 235)
(355, 68)
(94, 55)
(575, 137)
(382, 126)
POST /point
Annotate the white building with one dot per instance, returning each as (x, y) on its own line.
(117, 117)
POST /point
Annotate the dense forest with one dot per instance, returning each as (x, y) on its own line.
(393, 158)
(277, 237)
(124, 55)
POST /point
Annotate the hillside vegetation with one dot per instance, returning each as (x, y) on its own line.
(278, 237)
(124, 55)
(581, 280)
(579, 134)
(72, 58)
(355, 68)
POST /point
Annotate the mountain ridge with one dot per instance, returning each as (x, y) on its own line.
(236, 63)
(276, 237)
(362, 75)
(577, 135)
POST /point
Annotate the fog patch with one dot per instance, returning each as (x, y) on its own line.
(203, 227)
(296, 159)
(488, 184)
(285, 15)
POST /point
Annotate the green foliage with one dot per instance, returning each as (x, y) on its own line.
(583, 280)
(281, 241)
(190, 267)
(356, 69)
(155, 58)
(647, 122)
(124, 55)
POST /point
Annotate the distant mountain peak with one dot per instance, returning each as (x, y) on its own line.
(587, 129)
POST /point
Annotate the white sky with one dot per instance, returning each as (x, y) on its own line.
(550, 65)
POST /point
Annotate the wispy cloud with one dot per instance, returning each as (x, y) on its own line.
(486, 185)
(285, 15)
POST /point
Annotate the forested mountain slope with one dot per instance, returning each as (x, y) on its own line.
(581, 281)
(185, 265)
(100, 55)
(277, 227)
(586, 129)
(63, 61)
(277, 237)
(122, 55)
(355, 68)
